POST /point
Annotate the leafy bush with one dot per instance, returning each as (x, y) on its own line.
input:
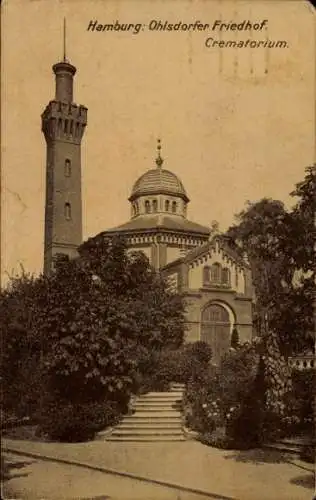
(234, 342)
(158, 369)
(77, 334)
(299, 414)
(218, 438)
(225, 405)
(67, 422)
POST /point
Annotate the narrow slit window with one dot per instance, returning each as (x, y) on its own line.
(155, 205)
(174, 207)
(67, 168)
(167, 203)
(67, 211)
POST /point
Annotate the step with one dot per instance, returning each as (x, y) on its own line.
(284, 447)
(153, 418)
(157, 404)
(150, 425)
(146, 432)
(136, 439)
(157, 395)
(155, 414)
(158, 400)
(162, 409)
(296, 442)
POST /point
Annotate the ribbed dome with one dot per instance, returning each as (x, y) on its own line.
(158, 181)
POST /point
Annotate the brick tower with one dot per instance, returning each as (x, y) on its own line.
(63, 125)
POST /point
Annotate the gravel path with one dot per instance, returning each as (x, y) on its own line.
(249, 475)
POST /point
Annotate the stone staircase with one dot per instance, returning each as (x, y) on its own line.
(156, 417)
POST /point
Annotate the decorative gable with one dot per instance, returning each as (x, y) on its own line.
(214, 267)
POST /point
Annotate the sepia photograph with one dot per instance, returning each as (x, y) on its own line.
(157, 302)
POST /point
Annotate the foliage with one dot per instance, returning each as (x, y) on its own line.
(68, 422)
(303, 235)
(86, 326)
(20, 367)
(234, 342)
(299, 415)
(198, 352)
(237, 405)
(277, 377)
(160, 369)
(280, 248)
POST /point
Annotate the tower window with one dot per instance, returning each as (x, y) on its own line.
(67, 168)
(65, 126)
(136, 208)
(68, 211)
(167, 203)
(174, 206)
(155, 205)
(147, 206)
(59, 126)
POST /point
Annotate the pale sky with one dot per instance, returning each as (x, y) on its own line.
(229, 130)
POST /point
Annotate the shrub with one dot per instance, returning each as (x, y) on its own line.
(218, 438)
(234, 338)
(226, 405)
(199, 351)
(67, 422)
(299, 415)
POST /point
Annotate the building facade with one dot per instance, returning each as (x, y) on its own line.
(215, 282)
(217, 287)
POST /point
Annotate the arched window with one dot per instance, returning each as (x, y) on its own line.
(206, 275)
(67, 168)
(155, 205)
(67, 211)
(174, 207)
(167, 203)
(216, 273)
(147, 206)
(225, 276)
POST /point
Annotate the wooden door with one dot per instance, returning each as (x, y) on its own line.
(215, 330)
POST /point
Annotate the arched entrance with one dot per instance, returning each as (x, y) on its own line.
(215, 330)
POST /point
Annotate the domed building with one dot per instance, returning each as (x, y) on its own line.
(215, 282)
(159, 225)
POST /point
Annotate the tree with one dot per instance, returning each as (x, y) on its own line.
(89, 321)
(234, 338)
(303, 215)
(279, 244)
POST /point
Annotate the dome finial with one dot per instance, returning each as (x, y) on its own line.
(159, 160)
